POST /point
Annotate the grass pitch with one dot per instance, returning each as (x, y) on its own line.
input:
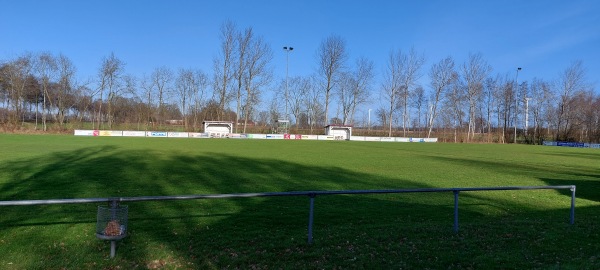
(500, 229)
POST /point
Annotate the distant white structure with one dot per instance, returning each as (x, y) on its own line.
(339, 132)
(218, 129)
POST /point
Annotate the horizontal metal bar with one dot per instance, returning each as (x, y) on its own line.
(271, 194)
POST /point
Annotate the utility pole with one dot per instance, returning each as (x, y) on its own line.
(516, 103)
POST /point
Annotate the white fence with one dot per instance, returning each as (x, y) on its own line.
(164, 134)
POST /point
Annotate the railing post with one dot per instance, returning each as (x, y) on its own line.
(572, 205)
(455, 210)
(311, 217)
(113, 203)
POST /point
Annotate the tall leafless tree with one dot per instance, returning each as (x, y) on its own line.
(66, 85)
(570, 81)
(442, 75)
(46, 68)
(474, 72)
(363, 75)
(331, 57)
(109, 82)
(392, 84)
(257, 75)
(162, 78)
(241, 43)
(223, 66)
(410, 66)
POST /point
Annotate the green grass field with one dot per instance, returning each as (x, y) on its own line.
(498, 229)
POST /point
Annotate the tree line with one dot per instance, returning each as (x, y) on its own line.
(461, 102)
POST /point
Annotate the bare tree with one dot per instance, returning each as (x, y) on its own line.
(314, 106)
(109, 81)
(344, 90)
(474, 73)
(299, 89)
(361, 89)
(200, 85)
(162, 78)
(242, 43)
(184, 86)
(570, 81)
(46, 68)
(455, 103)
(66, 85)
(409, 71)
(541, 101)
(15, 75)
(257, 74)
(391, 86)
(331, 57)
(223, 67)
(442, 75)
(489, 102)
(418, 100)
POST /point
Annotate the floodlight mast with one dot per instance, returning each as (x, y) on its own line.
(287, 64)
(516, 102)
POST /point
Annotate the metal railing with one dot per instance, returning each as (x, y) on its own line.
(311, 194)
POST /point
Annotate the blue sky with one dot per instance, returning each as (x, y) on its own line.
(542, 37)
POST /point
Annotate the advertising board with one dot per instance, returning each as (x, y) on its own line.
(325, 137)
(79, 132)
(177, 134)
(275, 136)
(198, 135)
(110, 133)
(257, 136)
(129, 133)
(156, 134)
(310, 137)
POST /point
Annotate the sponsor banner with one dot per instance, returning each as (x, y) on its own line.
(549, 143)
(309, 137)
(235, 135)
(85, 132)
(286, 136)
(156, 134)
(177, 134)
(388, 139)
(218, 134)
(197, 135)
(402, 139)
(325, 137)
(593, 145)
(257, 136)
(416, 140)
(297, 136)
(430, 140)
(128, 133)
(275, 136)
(569, 144)
(110, 133)
(373, 139)
(357, 138)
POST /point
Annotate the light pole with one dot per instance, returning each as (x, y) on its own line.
(516, 102)
(369, 119)
(287, 64)
(526, 114)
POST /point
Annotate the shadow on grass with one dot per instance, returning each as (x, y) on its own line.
(587, 181)
(230, 233)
